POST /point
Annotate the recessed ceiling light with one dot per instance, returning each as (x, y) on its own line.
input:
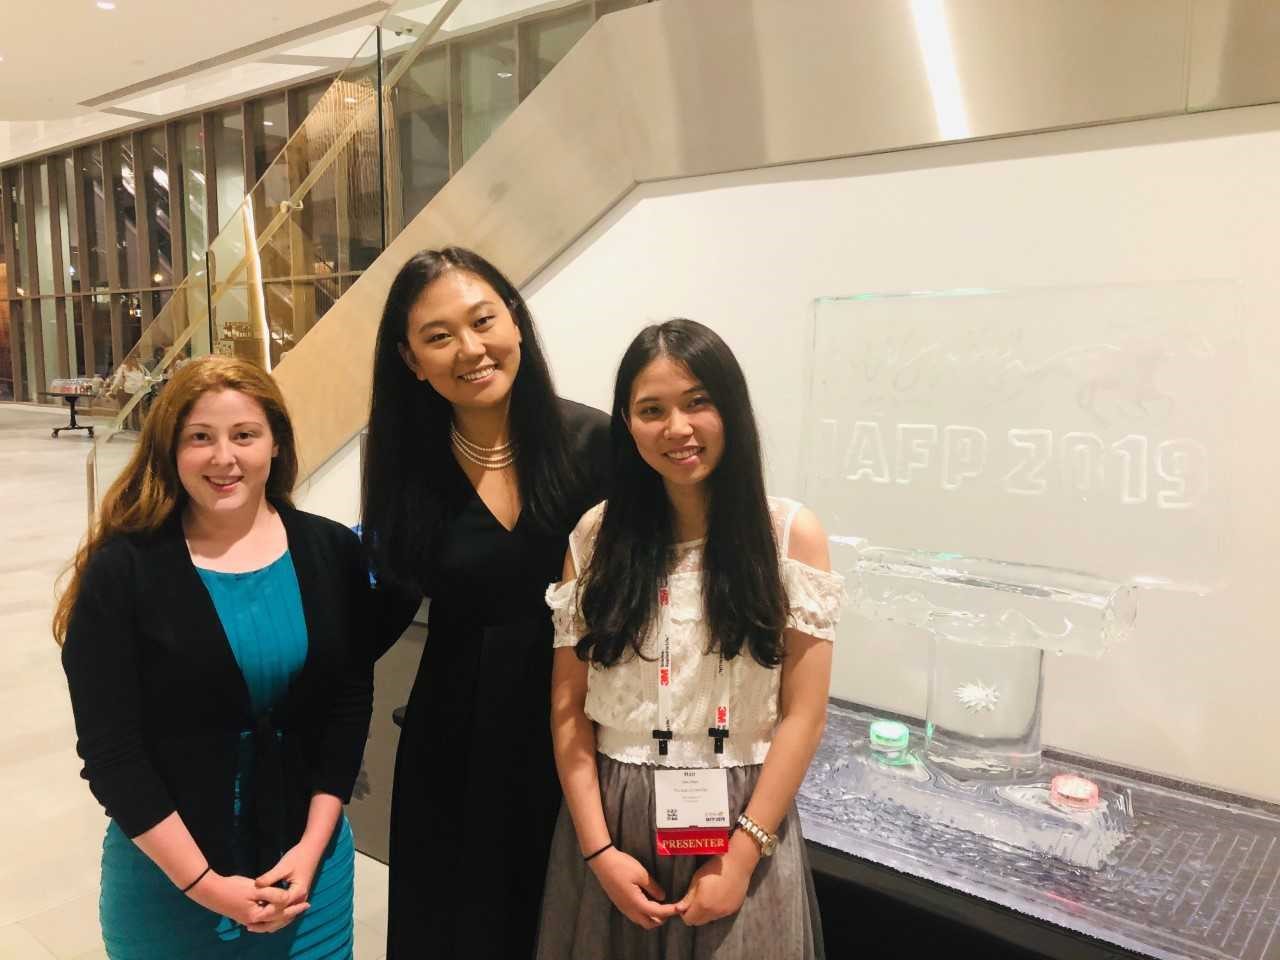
(106, 5)
(268, 123)
(351, 99)
(504, 75)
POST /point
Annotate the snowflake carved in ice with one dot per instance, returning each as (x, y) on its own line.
(978, 696)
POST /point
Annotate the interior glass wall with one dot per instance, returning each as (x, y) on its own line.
(487, 87)
(124, 197)
(228, 152)
(68, 205)
(6, 355)
(159, 269)
(419, 164)
(95, 240)
(94, 199)
(546, 41)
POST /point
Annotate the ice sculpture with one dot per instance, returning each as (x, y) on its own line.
(872, 789)
(1064, 446)
(990, 623)
(979, 768)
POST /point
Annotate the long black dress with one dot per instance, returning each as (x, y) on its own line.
(475, 797)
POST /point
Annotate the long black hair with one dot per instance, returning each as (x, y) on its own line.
(744, 601)
(408, 455)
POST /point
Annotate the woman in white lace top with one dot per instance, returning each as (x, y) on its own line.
(689, 692)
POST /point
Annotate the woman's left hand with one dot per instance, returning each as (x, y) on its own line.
(720, 885)
(297, 868)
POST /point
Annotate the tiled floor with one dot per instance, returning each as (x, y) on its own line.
(50, 826)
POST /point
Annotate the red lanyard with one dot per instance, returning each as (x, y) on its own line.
(719, 729)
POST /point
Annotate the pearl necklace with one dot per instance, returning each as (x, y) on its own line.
(490, 458)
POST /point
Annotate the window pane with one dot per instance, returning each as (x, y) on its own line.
(281, 300)
(194, 194)
(6, 356)
(68, 181)
(18, 231)
(309, 97)
(100, 313)
(15, 348)
(24, 314)
(319, 222)
(421, 105)
(75, 337)
(131, 319)
(313, 232)
(160, 256)
(159, 336)
(6, 241)
(610, 6)
(159, 298)
(338, 226)
(270, 120)
(124, 191)
(91, 180)
(228, 158)
(43, 279)
(48, 333)
(357, 170)
(547, 41)
(488, 88)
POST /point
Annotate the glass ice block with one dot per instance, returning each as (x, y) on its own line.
(983, 601)
(990, 623)
(983, 713)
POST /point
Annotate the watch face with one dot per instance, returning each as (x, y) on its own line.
(769, 845)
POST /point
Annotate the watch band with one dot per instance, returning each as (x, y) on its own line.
(767, 842)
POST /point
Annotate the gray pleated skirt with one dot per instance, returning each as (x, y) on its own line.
(778, 920)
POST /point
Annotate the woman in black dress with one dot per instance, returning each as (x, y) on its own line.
(474, 473)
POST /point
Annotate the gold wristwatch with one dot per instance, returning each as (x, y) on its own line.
(767, 842)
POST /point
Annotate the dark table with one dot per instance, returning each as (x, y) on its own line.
(72, 399)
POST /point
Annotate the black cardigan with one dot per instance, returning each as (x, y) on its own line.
(160, 703)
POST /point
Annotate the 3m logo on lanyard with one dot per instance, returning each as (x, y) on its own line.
(662, 732)
(719, 731)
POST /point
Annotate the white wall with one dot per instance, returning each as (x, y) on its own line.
(1155, 203)
(333, 491)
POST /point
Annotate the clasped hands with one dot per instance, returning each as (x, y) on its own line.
(262, 905)
(717, 889)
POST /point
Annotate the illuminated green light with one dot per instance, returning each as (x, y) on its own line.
(889, 735)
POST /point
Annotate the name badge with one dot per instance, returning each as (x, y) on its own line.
(692, 808)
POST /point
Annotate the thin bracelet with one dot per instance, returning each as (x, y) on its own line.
(598, 852)
(197, 879)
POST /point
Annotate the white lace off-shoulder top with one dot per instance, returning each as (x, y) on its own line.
(622, 699)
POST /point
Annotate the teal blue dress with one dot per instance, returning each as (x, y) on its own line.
(144, 916)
